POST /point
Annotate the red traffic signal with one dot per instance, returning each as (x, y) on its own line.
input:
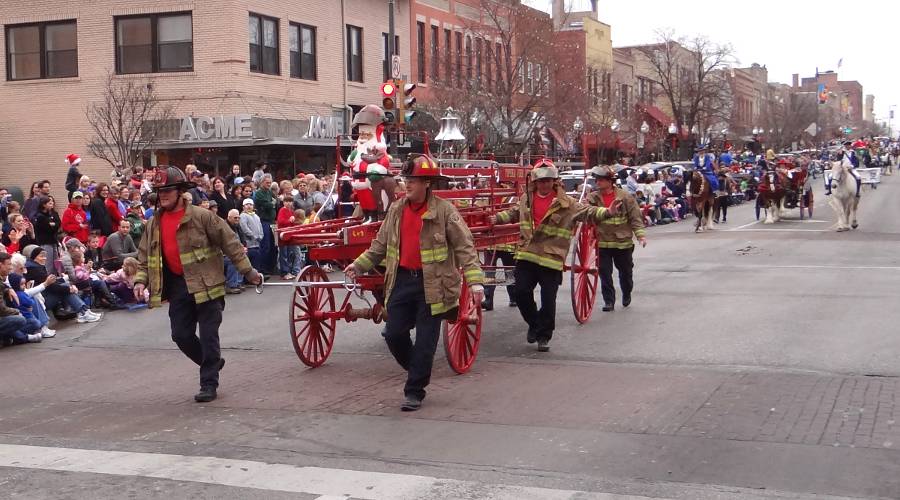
(388, 89)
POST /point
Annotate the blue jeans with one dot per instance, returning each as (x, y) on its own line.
(232, 276)
(254, 256)
(72, 300)
(11, 328)
(40, 314)
(289, 259)
(268, 252)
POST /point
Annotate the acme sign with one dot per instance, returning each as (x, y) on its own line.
(221, 127)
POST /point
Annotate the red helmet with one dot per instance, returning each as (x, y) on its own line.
(167, 177)
(420, 165)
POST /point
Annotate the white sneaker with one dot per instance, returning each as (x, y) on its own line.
(94, 314)
(47, 333)
(34, 337)
(87, 317)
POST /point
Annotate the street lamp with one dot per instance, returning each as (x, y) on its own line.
(578, 126)
(673, 136)
(640, 143)
(615, 125)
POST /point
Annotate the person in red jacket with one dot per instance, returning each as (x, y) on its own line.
(288, 255)
(112, 206)
(74, 219)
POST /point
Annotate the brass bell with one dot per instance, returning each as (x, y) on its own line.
(449, 128)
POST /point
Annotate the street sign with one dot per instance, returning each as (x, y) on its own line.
(395, 66)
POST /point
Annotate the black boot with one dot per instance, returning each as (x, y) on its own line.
(205, 395)
(608, 307)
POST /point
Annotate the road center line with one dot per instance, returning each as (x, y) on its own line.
(327, 483)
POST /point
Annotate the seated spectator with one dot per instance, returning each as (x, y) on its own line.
(93, 252)
(58, 295)
(118, 247)
(12, 324)
(20, 233)
(81, 273)
(34, 290)
(121, 282)
(33, 328)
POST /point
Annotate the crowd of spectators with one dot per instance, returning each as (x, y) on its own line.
(64, 261)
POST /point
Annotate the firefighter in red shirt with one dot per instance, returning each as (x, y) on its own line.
(180, 259)
(423, 242)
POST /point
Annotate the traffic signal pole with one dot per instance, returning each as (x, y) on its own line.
(391, 51)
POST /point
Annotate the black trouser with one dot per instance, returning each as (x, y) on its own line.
(622, 259)
(185, 315)
(528, 276)
(506, 259)
(722, 207)
(406, 309)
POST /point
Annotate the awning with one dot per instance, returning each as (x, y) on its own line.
(558, 138)
(278, 141)
(657, 114)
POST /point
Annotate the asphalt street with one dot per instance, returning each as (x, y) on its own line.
(756, 361)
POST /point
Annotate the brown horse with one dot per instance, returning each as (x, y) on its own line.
(702, 200)
(771, 195)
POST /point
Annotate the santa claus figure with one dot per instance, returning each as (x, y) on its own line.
(369, 161)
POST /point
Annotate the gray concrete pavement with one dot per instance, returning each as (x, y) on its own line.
(755, 361)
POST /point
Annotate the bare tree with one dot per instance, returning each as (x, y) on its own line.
(126, 122)
(691, 79)
(786, 117)
(499, 82)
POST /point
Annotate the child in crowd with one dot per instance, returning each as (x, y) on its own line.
(121, 282)
(288, 255)
(92, 253)
(26, 306)
(313, 214)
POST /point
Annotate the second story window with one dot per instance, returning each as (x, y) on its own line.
(435, 49)
(303, 51)
(155, 43)
(264, 45)
(354, 54)
(420, 51)
(46, 50)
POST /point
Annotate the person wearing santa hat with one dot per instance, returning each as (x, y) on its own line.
(74, 175)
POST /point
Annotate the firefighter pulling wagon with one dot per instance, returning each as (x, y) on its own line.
(318, 302)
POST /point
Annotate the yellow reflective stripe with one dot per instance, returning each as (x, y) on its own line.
(393, 252)
(540, 260)
(140, 277)
(209, 294)
(153, 260)
(619, 219)
(440, 308)
(503, 217)
(640, 233)
(155, 301)
(526, 224)
(473, 276)
(430, 255)
(559, 232)
(615, 244)
(363, 263)
(198, 255)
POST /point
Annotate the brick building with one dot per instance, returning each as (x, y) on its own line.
(749, 89)
(285, 75)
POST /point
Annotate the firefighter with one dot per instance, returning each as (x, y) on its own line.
(615, 236)
(422, 243)
(547, 218)
(180, 260)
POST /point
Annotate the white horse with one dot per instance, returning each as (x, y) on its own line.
(844, 198)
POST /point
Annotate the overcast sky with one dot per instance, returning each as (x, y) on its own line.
(787, 36)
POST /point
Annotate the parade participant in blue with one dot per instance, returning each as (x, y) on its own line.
(726, 158)
(704, 162)
(847, 157)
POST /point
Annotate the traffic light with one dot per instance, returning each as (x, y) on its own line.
(407, 101)
(388, 103)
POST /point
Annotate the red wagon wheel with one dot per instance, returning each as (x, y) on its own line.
(585, 273)
(461, 339)
(311, 332)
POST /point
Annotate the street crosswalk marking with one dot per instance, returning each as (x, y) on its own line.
(329, 484)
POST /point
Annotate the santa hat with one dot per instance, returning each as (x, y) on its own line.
(379, 132)
(72, 159)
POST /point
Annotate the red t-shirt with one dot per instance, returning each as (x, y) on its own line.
(608, 199)
(540, 205)
(410, 229)
(284, 217)
(168, 227)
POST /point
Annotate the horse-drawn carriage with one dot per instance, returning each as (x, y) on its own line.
(785, 185)
(487, 189)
